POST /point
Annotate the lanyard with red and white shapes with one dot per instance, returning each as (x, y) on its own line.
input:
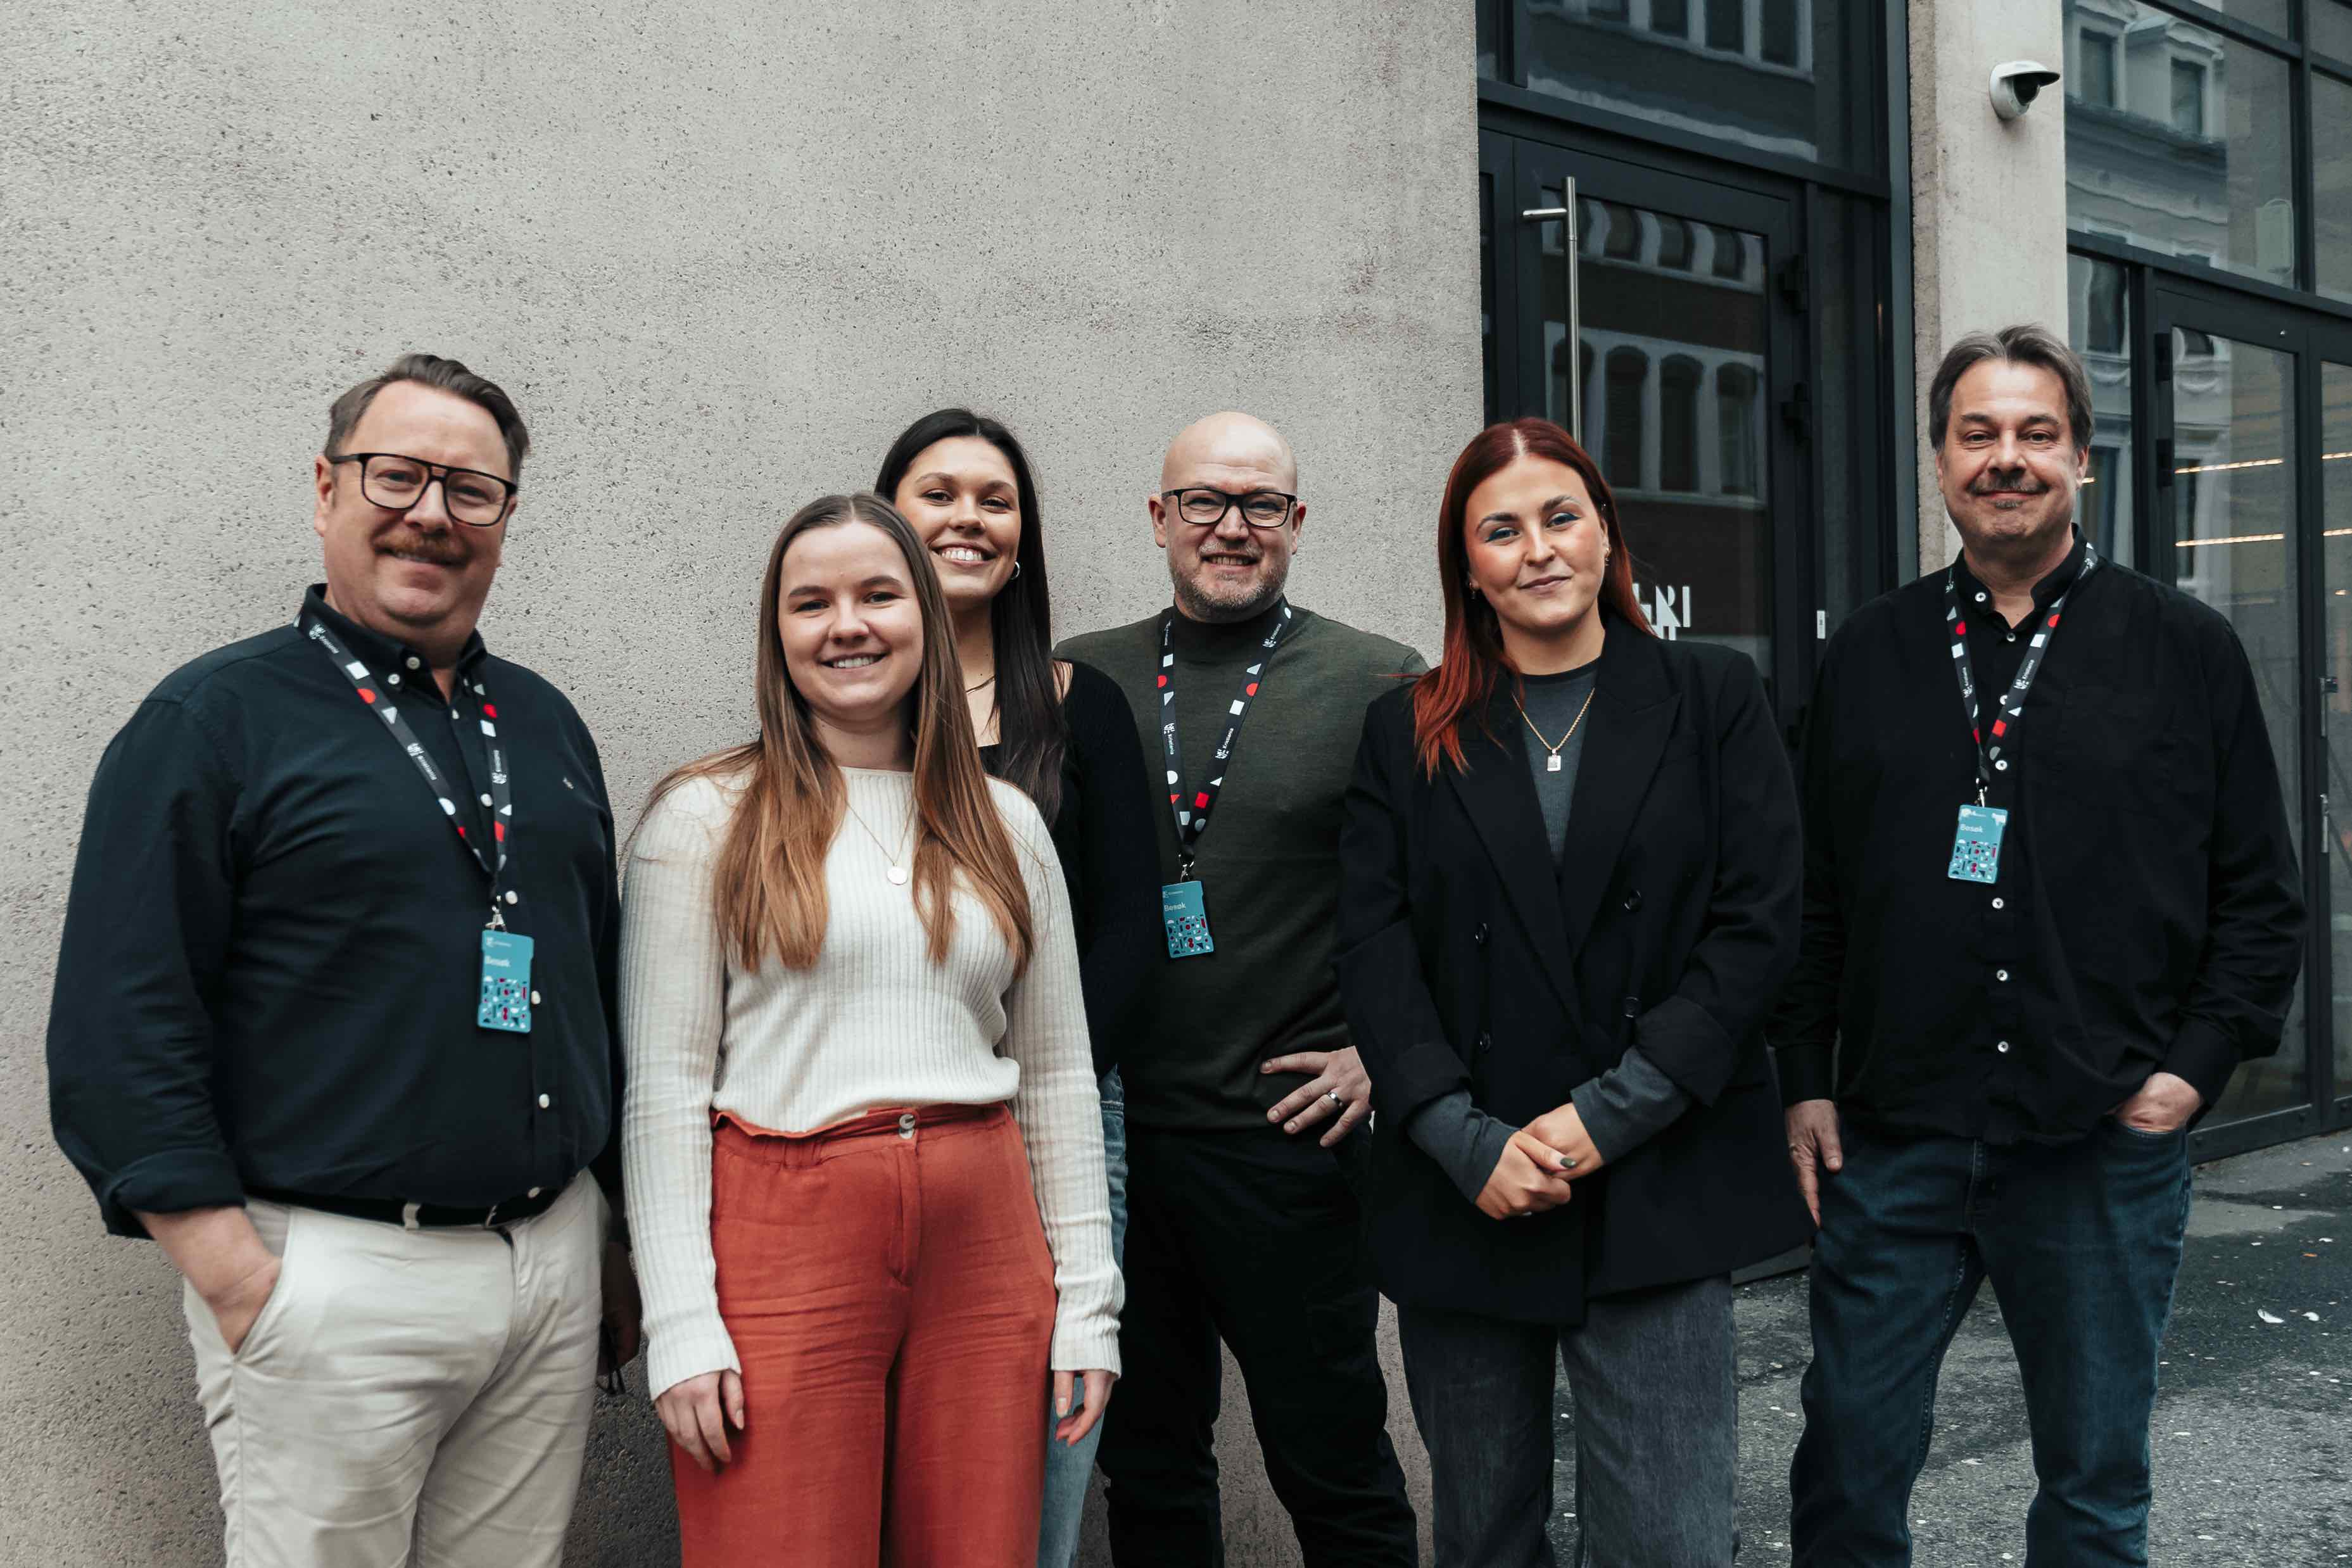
(1192, 815)
(502, 802)
(1988, 747)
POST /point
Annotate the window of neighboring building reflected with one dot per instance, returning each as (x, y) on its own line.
(2182, 141)
(2099, 319)
(1674, 243)
(1678, 387)
(1796, 78)
(2189, 98)
(2095, 68)
(2331, 173)
(1629, 370)
(1736, 429)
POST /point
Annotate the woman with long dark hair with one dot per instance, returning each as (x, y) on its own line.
(1064, 733)
(1570, 883)
(858, 1081)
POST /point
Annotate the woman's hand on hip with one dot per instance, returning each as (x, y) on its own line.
(699, 1412)
(1563, 1129)
(1075, 1424)
(1528, 1179)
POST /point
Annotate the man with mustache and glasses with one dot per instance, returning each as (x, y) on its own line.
(2051, 903)
(334, 1024)
(1243, 1089)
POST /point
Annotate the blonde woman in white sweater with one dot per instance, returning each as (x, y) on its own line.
(863, 1148)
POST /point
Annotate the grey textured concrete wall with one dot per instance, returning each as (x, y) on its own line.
(720, 253)
(1989, 216)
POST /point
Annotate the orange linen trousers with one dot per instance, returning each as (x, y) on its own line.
(890, 1294)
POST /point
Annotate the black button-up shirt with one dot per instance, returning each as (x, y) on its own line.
(272, 954)
(2147, 912)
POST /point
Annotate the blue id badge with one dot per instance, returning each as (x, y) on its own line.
(1976, 847)
(506, 982)
(1186, 915)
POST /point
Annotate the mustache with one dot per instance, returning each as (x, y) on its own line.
(2016, 480)
(441, 549)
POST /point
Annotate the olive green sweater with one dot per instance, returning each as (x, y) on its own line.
(1268, 862)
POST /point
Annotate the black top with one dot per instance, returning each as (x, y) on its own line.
(1471, 959)
(1102, 831)
(272, 952)
(1268, 863)
(2146, 913)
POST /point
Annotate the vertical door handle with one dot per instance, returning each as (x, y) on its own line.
(1566, 216)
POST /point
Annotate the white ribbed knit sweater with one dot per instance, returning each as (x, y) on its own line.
(874, 1023)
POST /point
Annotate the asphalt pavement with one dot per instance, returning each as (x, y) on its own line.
(2252, 1434)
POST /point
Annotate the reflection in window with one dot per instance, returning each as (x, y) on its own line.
(1727, 25)
(1674, 243)
(2102, 316)
(1605, 10)
(1622, 240)
(1563, 364)
(2194, 154)
(1779, 43)
(1671, 17)
(2194, 345)
(1728, 261)
(2189, 98)
(1621, 442)
(2101, 487)
(2331, 167)
(2094, 76)
(1735, 405)
(1678, 388)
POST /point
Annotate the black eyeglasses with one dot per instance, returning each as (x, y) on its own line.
(396, 484)
(1205, 508)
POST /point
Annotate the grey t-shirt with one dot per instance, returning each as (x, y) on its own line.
(1630, 1102)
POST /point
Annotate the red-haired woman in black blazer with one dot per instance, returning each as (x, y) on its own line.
(1571, 881)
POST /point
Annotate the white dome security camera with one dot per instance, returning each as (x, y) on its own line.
(2016, 84)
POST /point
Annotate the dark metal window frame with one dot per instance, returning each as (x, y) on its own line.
(1879, 331)
(2161, 289)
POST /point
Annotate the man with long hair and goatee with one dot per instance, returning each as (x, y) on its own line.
(872, 1218)
(1242, 1088)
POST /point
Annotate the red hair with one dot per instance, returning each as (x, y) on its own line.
(1474, 657)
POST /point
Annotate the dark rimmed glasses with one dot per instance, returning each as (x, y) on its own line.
(1205, 508)
(397, 483)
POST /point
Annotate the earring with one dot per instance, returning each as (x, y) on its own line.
(1016, 570)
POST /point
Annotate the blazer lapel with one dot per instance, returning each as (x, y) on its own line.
(1633, 711)
(1500, 799)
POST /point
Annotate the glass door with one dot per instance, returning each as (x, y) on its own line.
(2252, 517)
(1647, 313)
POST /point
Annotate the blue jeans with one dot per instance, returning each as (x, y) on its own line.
(1069, 1468)
(2081, 1241)
(1657, 1429)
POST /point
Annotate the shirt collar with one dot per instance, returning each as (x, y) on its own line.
(376, 650)
(1214, 641)
(2060, 578)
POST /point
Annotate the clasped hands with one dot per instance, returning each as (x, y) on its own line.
(1538, 1164)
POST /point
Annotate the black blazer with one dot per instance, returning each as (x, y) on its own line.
(1465, 962)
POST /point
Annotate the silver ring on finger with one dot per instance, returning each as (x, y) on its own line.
(1333, 1096)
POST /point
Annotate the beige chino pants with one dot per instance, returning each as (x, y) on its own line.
(408, 1395)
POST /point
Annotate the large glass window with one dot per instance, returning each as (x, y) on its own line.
(1788, 77)
(2183, 143)
(2235, 530)
(2335, 526)
(2100, 319)
(2328, 27)
(2331, 172)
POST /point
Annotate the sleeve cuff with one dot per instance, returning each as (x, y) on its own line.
(1627, 1106)
(1090, 1346)
(1464, 1142)
(2203, 1056)
(173, 1181)
(674, 1354)
(1806, 1073)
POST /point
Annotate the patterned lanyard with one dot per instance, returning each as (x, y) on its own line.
(501, 802)
(1988, 747)
(1192, 820)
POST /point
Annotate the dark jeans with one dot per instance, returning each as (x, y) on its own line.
(1657, 1430)
(2081, 1242)
(1254, 1238)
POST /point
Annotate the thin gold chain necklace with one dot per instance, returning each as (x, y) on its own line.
(897, 872)
(1552, 762)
